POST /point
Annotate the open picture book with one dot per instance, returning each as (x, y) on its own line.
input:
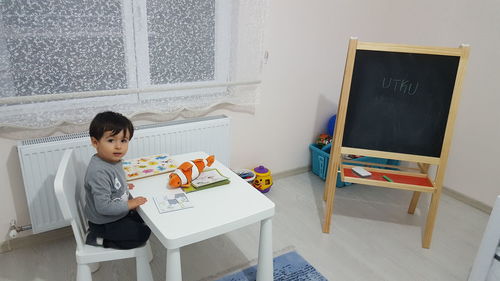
(207, 179)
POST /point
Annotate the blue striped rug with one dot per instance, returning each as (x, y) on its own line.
(287, 267)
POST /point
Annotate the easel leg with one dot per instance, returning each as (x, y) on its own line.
(328, 176)
(431, 219)
(424, 168)
(330, 187)
(325, 191)
(414, 202)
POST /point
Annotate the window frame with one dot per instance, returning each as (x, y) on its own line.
(222, 45)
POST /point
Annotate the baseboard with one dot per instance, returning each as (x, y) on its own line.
(35, 239)
(5, 247)
(292, 172)
(467, 200)
(53, 235)
(450, 192)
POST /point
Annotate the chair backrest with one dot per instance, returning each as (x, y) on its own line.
(68, 187)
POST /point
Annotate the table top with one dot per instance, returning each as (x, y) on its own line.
(216, 210)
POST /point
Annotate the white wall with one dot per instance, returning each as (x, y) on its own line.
(307, 44)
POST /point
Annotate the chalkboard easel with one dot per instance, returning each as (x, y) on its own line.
(397, 102)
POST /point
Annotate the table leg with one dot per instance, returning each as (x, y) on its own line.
(174, 272)
(265, 266)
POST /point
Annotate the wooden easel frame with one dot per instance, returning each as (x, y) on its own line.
(336, 162)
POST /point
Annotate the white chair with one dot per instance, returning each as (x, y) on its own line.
(68, 187)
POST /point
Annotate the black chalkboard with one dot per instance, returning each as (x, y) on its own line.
(399, 102)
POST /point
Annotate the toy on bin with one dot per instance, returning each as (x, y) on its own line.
(323, 140)
(263, 179)
(188, 171)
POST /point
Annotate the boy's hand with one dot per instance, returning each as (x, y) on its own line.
(136, 202)
(131, 186)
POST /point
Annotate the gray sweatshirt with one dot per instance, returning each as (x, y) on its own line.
(106, 191)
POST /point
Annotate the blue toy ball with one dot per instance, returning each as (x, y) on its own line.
(331, 125)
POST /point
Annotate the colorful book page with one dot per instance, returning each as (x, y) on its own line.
(191, 188)
(148, 166)
(208, 177)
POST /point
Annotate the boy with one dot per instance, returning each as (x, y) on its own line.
(113, 222)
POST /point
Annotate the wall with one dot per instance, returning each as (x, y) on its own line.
(307, 44)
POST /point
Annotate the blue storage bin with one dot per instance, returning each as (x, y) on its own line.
(320, 158)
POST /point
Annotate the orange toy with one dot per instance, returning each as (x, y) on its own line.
(188, 171)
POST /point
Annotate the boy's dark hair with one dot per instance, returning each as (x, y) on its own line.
(110, 121)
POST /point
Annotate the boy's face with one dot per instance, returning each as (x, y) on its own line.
(112, 148)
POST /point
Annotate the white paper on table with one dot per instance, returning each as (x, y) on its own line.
(172, 200)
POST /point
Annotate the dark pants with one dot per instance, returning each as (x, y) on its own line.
(126, 233)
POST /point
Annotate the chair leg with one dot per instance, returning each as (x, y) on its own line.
(94, 266)
(143, 269)
(83, 273)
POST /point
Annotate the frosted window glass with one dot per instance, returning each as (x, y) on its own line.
(63, 46)
(181, 37)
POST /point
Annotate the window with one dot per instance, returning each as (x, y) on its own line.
(63, 46)
(66, 60)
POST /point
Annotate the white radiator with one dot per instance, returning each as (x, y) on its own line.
(40, 157)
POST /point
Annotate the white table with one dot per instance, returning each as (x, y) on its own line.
(216, 211)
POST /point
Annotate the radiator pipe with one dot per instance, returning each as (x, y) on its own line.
(14, 229)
